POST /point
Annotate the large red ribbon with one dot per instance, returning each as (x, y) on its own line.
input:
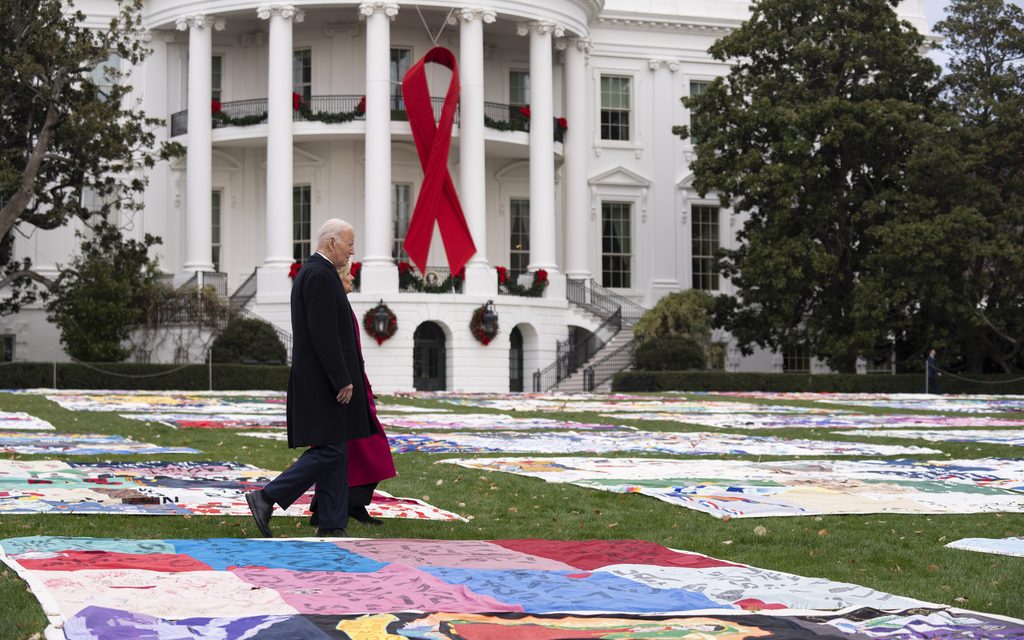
(438, 199)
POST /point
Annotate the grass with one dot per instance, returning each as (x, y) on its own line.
(901, 554)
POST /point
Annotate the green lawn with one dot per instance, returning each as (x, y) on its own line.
(898, 554)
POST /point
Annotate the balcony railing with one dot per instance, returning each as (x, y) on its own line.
(503, 117)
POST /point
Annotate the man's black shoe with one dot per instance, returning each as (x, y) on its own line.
(313, 519)
(261, 510)
(360, 514)
(332, 533)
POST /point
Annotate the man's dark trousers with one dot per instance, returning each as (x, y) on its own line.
(327, 466)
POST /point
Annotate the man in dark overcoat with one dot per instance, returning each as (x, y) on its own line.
(327, 401)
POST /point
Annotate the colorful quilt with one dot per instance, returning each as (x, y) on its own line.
(80, 444)
(1001, 546)
(230, 589)
(1014, 437)
(23, 422)
(958, 403)
(693, 444)
(664, 404)
(248, 402)
(490, 421)
(213, 420)
(749, 489)
(162, 488)
(816, 421)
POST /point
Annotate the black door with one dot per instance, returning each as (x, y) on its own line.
(428, 358)
(515, 361)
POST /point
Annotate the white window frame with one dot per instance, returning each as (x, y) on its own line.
(309, 239)
(689, 211)
(637, 86)
(312, 70)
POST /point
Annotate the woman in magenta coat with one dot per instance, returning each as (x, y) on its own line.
(369, 459)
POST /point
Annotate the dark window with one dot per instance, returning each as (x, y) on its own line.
(704, 231)
(428, 358)
(215, 229)
(796, 360)
(401, 61)
(302, 73)
(301, 211)
(515, 360)
(697, 88)
(8, 348)
(216, 75)
(519, 239)
(401, 213)
(616, 244)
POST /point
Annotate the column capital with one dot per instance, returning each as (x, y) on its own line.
(655, 63)
(367, 9)
(286, 11)
(469, 14)
(542, 27)
(199, 21)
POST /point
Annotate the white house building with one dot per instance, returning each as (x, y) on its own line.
(605, 206)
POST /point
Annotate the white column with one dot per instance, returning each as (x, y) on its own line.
(199, 155)
(279, 134)
(542, 154)
(664, 218)
(578, 236)
(480, 277)
(379, 273)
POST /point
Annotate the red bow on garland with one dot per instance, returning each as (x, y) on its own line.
(438, 199)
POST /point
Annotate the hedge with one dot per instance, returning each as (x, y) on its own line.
(834, 382)
(121, 375)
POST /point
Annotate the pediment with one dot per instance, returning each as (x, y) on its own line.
(620, 177)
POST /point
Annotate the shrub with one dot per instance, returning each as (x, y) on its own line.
(248, 341)
(669, 353)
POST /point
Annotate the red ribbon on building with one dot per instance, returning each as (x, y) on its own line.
(438, 199)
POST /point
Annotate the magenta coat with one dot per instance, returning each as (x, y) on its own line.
(369, 459)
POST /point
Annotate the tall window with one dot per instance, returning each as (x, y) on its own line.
(796, 360)
(519, 240)
(7, 348)
(704, 232)
(215, 230)
(216, 75)
(401, 213)
(616, 244)
(301, 210)
(697, 88)
(401, 61)
(615, 108)
(518, 88)
(302, 73)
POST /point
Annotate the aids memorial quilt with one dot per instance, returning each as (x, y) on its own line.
(213, 420)
(80, 444)
(694, 444)
(817, 421)
(665, 405)
(100, 589)
(1014, 437)
(20, 421)
(751, 489)
(247, 402)
(162, 488)
(489, 421)
(1002, 546)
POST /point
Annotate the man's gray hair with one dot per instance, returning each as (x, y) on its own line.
(332, 227)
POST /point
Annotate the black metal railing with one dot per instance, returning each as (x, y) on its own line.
(604, 369)
(570, 356)
(244, 293)
(602, 302)
(433, 281)
(504, 117)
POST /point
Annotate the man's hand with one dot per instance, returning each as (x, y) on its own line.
(345, 395)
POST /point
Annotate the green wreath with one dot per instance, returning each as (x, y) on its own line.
(371, 329)
(476, 326)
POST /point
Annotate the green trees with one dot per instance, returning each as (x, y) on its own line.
(103, 295)
(950, 270)
(71, 143)
(676, 332)
(248, 341)
(884, 207)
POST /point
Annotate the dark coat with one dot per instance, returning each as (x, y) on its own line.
(325, 358)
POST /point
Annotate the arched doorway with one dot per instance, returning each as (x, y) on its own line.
(515, 360)
(428, 358)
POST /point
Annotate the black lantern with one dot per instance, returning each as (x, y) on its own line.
(490, 319)
(381, 319)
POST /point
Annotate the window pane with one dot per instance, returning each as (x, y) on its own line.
(616, 244)
(302, 73)
(215, 229)
(615, 108)
(519, 240)
(401, 61)
(401, 212)
(301, 210)
(519, 87)
(796, 360)
(8, 348)
(704, 244)
(216, 71)
(697, 88)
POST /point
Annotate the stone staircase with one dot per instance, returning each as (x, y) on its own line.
(600, 366)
